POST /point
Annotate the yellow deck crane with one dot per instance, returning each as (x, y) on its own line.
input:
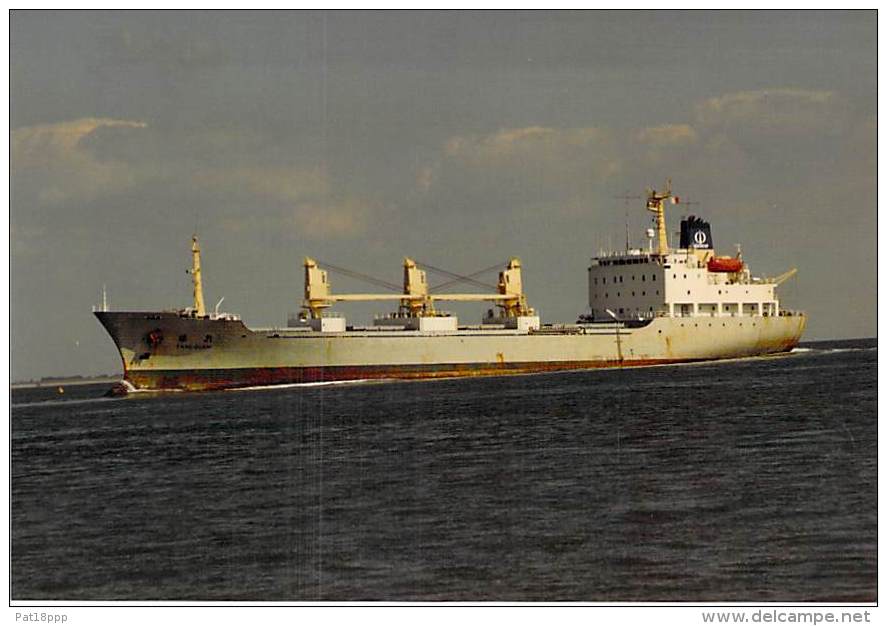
(416, 300)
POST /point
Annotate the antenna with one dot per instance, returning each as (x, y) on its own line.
(104, 298)
(627, 197)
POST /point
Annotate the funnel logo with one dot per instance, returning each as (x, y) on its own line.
(695, 233)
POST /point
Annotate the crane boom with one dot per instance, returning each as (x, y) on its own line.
(784, 276)
(453, 297)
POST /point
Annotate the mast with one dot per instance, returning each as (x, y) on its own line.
(199, 308)
(656, 204)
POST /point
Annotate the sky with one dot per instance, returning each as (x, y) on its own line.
(459, 139)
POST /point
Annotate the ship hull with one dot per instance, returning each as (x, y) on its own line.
(167, 351)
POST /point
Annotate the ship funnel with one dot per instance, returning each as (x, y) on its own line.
(696, 233)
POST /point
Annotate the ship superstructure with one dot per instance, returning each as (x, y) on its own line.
(688, 281)
(646, 306)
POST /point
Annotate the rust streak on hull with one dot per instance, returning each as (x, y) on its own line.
(206, 380)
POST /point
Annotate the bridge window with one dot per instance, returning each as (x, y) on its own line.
(654, 277)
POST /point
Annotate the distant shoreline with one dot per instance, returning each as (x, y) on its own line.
(66, 382)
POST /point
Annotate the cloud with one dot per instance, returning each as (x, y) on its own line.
(533, 143)
(66, 165)
(783, 111)
(295, 199)
(525, 161)
(285, 184)
(59, 166)
(548, 170)
(335, 217)
(666, 135)
(663, 142)
(44, 143)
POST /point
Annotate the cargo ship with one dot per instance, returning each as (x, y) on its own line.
(646, 306)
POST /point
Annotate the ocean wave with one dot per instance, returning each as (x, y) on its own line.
(301, 385)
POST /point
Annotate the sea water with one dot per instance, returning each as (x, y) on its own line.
(749, 480)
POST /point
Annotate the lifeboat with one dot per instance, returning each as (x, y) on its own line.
(724, 264)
